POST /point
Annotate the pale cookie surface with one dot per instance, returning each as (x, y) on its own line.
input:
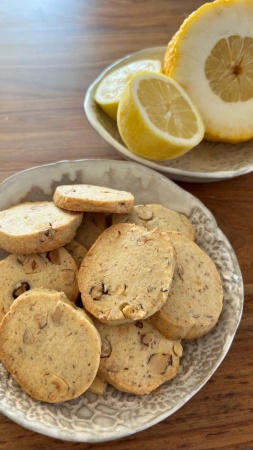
(127, 273)
(91, 227)
(157, 216)
(19, 273)
(136, 357)
(77, 251)
(49, 347)
(85, 197)
(34, 227)
(195, 299)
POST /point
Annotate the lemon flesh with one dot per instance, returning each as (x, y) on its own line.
(156, 119)
(211, 57)
(112, 85)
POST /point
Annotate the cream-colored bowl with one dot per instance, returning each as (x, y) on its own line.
(94, 418)
(209, 161)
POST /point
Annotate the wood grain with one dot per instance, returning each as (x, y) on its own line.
(50, 51)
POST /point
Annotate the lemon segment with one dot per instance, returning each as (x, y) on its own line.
(211, 57)
(112, 85)
(156, 119)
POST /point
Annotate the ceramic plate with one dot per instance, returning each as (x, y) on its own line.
(209, 161)
(93, 418)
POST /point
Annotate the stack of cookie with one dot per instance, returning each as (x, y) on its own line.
(144, 285)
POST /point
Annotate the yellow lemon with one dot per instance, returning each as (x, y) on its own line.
(156, 118)
(211, 57)
(112, 85)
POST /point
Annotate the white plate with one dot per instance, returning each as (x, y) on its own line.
(93, 418)
(209, 161)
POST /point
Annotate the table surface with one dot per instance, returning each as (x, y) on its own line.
(50, 52)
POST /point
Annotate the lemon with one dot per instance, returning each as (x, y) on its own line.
(112, 85)
(156, 119)
(211, 57)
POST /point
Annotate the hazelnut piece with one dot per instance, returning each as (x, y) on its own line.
(60, 384)
(144, 213)
(20, 289)
(96, 291)
(131, 312)
(54, 257)
(106, 349)
(148, 339)
(160, 362)
(57, 314)
(33, 264)
(28, 337)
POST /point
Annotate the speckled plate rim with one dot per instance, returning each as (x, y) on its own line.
(92, 110)
(15, 183)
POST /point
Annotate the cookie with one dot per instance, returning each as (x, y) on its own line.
(19, 273)
(157, 216)
(77, 251)
(89, 198)
(195, 299)
(91, 227)
(136, 357)
(49, 346)
(35, 227)
(98, 386)
(127, 273)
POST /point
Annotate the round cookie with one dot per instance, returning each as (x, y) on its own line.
(157, 216)
(127, 273)
(19, 273)
(91, 227)
(35, 227)
(136, 357)
(90, 198)
(49, 346)
(195, 299)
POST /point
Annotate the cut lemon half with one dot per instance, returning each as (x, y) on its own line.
(156, 118)
(112, 85)
(211, 57)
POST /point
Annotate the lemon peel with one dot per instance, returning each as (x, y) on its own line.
(211, 58)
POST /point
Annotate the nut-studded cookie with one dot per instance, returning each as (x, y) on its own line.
(136, 357)
(19, 273)
(34, 227)
(90, 198)
(93, 224)
(127, 273)
(152, 216)
(195, 299)
(49, 346)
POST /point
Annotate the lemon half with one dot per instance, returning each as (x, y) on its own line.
(112, 85)
(156, 118)
(211, 57)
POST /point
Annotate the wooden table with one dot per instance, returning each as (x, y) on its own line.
(50, 51)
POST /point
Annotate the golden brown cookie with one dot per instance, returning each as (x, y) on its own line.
(35, 227)
(91, 227)
(157, 216)
(49, 346)
(53, 270)
(136, 357)
(127, 273)
(90, 198)
(195, 299)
